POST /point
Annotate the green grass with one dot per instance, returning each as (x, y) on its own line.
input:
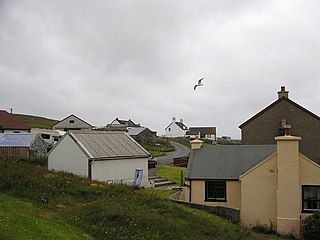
(171, 173)
(36, 122)
(21, 220)
(103, 211)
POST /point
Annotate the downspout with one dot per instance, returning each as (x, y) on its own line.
(190, 191)
(90, 162)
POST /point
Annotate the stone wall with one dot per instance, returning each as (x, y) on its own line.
(230, 214)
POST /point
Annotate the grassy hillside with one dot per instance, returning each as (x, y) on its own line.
(36, 122)
(21, 220)
(109, 211)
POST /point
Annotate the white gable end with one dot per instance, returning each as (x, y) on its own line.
(69, 157)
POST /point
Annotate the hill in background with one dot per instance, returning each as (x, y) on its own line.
(36, 122)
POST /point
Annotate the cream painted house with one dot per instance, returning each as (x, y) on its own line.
(104, 156)
(268, 184)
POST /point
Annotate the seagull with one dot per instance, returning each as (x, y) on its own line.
(198, 84)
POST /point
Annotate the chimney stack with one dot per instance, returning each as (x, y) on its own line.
(173, 119)
(283, 93)
(196, 144)
(181, 120)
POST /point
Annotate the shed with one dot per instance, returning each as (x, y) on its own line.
(22, 146)
(104, 156)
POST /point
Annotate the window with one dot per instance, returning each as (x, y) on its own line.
(71, 121)
(310, 198)
(45, 136)
(169, 129)
(216, 191)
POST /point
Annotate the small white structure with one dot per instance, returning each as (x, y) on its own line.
(104, 156)
(176, 129)
(51, 137)
(72, 122)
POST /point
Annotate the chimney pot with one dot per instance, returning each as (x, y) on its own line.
(287, 130)
(283, 92)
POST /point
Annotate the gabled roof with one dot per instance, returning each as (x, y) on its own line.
(135, 131)
(17, 139)
(227, 162)
(181, 125)
(201, 130)
(275, 103)
(128, 123)
(100, 145)
(10, 122)
(72, 115)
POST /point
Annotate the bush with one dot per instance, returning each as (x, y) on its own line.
(312, 227)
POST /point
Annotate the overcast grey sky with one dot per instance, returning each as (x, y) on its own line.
(140, 59)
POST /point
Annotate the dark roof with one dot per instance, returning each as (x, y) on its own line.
(202, 130)
(227, 161)
(10, 122)
(275, 103)
(181, 125)
(128, 123)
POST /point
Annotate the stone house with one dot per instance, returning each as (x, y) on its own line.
(270, 122)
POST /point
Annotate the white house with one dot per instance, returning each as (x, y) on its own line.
(72, 122)
(50, 136)
(104, 156)
(176, 129)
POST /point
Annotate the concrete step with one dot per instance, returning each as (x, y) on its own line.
(159, 180)
(153, 177)
(163, 183)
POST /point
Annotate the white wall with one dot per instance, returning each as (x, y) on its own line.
(77, 123)
(119, 170)
(67, 156)
(175, 131)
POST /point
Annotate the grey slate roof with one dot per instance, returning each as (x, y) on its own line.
(181, 125)
(109, 145)
(135, 131)
(16, 139)
(226, 161)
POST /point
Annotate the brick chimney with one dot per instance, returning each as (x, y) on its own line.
(283, 92)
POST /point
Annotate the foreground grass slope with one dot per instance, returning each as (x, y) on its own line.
(111, 211)
(21, 220)
(36, 122)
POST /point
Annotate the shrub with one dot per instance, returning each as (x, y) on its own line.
(312, 227)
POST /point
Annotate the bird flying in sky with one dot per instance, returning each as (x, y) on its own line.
(198, 84)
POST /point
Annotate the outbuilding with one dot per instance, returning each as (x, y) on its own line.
(22, 146)
(99, 155)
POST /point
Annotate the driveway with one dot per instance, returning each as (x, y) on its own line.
(180, 151)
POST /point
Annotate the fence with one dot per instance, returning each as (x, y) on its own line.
(14, 152)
